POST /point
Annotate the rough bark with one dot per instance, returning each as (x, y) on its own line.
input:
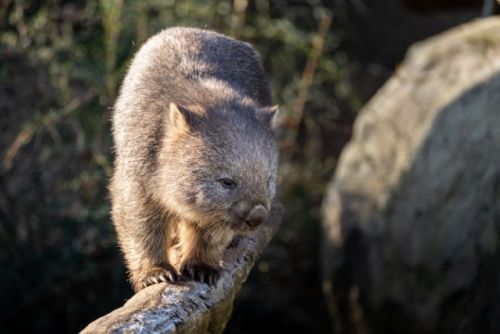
(412, 217)
(191, 307)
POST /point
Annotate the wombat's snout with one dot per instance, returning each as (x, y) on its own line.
(250, 214)
(257, 216)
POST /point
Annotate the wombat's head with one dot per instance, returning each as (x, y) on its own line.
(219, 166)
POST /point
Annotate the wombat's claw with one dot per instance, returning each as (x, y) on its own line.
(236, 240)
(201, 272)
(158, 275)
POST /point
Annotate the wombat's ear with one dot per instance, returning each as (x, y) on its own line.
(269, 116)
(180, 118)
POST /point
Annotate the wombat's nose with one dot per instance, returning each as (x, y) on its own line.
(257, 216)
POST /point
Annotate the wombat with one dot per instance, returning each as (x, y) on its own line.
(196, 159)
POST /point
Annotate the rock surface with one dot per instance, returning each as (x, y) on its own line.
(412, 217)
(191, 307)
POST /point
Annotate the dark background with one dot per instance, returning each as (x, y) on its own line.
(61, 63)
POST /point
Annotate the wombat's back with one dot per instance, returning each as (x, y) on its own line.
(194, 55)
(189, 67)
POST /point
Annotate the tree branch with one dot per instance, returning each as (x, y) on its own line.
(191, 307)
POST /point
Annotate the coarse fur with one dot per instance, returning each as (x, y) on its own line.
(196, 158)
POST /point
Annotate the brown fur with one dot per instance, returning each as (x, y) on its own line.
(193, 112)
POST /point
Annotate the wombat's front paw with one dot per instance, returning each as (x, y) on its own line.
(201, 272)
(156, 275)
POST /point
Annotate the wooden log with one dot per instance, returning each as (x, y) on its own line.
(191, 307)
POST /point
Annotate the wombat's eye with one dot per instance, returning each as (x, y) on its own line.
(227, 183)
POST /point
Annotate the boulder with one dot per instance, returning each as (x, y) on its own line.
(411, 219)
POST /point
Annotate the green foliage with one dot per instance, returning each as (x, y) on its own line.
(61, 66)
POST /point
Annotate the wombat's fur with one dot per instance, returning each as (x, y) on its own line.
(196, 157)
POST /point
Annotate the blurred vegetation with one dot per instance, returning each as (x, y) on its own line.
(61, 66)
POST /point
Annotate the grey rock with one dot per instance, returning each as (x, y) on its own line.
(411, 219)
